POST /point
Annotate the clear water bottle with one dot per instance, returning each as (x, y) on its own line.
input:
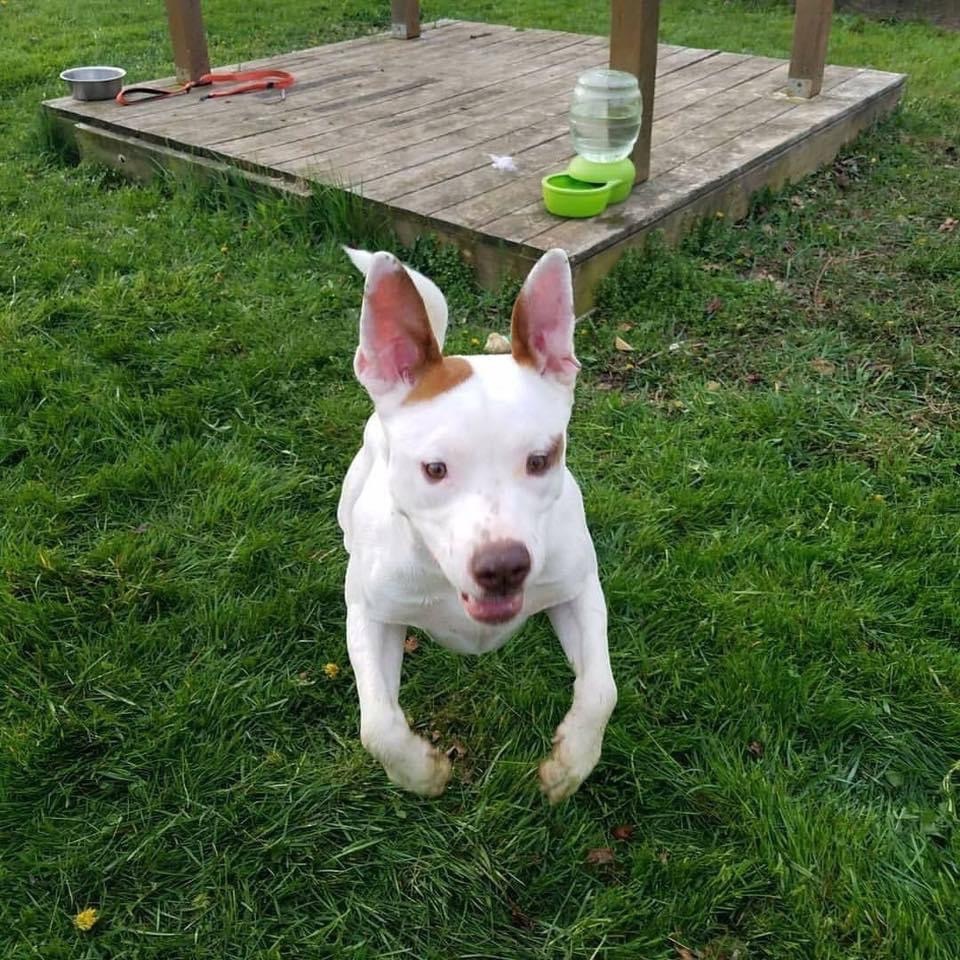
(605, 115)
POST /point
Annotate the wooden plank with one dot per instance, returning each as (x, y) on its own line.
(188, 38)
(405, 19)
(811, 33)
(420, 161)
(720, 116)
(145, 161)
(429, 63)
(470, 156)
(368, 51)
(521, 197)
(108, 110)
(365, 52)
(473, 175)
(454, 98)
(388, 133)
(634, 25)
(440, 105)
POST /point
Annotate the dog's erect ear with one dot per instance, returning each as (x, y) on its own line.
(542, 335)
(397, 345)
(433, 299)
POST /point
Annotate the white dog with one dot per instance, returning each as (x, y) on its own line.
(460, 516)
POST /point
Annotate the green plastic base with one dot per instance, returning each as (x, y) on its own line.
(565, 196)
(620, 173)
(587, 188)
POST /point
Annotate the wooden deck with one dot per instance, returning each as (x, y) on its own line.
(411, 126)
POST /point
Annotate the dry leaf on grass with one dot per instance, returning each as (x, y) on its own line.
(824, 367)
(948, 225)
(624, 327)
(623, 832)
(518, 918)
(713, 386)
(622, 345)
(411, 644)
(600, 856)
(714, 305)
(755, 749)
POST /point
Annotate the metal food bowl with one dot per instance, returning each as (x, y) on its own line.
(94, 83)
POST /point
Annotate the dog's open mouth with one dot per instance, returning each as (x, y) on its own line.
(493, 608)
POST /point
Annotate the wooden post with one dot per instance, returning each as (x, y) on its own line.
(188, 38)
(811, 31)
(633, 47)
(405, 17)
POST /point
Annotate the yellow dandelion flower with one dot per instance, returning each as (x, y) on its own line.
(331, 670)
(475, 341)
(86, 919)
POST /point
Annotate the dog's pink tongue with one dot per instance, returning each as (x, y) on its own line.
(493, 609)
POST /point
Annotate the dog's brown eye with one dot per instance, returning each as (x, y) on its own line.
(537, 463)
(435, 471)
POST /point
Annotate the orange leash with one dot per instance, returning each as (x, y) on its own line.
(245, 80)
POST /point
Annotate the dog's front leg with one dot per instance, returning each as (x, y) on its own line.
(581, 626)
(376, 655)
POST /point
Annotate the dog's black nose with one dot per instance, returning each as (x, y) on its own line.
(501, 567)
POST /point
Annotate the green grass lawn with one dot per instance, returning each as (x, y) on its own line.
(775, 501)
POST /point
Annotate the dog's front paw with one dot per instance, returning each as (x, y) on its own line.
(421, 769)
(567, 767)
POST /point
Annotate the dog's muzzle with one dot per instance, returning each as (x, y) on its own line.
(499, 569)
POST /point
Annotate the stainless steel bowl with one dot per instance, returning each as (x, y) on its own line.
(94, 83)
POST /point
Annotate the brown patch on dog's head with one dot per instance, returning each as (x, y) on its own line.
(539, 463)
(554, 453)
(520, 333)
(439, 377)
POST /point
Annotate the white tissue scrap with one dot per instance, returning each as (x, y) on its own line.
(502, 163)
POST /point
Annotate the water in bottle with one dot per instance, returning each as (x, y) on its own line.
(605, 115)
